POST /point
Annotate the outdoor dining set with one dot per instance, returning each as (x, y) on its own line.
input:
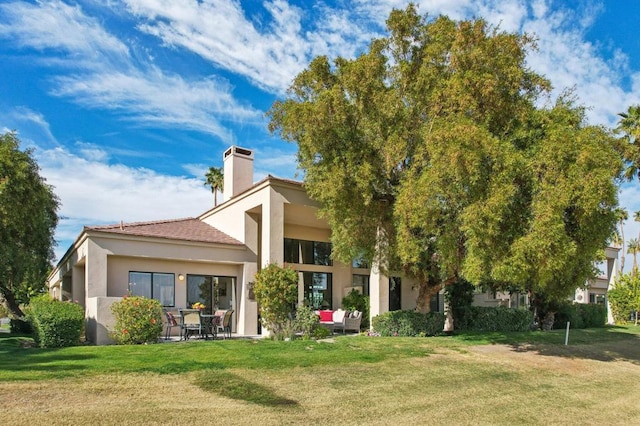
(195, 323)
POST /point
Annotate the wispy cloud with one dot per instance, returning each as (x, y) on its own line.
(99, 72)
(95, 192)
(269, 51)
(55, 25)
(158, 100)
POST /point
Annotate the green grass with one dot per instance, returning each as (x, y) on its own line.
(174, 358)
(470, 378)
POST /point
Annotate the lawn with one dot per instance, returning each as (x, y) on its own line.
(498, 378)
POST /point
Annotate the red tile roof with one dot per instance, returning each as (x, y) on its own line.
(189, 229)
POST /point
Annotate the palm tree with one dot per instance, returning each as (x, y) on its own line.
(215, 179)
(633, 248)
(629, 124)
(621, 216)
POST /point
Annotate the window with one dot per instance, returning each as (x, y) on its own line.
(311, 252)
(395, 295)
(361, 281)
(153, 285)
(213, 292)
(318, 289)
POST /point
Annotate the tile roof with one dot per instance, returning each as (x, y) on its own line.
(189, 229)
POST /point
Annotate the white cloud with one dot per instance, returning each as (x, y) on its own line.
(100, 73)
(56, 25)
(218, 31)
(28, 118)
(159, 100)
(93, 192)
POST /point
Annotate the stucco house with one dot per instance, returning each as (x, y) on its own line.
(213, 258)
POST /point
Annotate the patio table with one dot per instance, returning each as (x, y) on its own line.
(211, 323)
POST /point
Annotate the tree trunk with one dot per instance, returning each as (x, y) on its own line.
(547, 322)
(9, 302)
(448, 321)
(424, 297)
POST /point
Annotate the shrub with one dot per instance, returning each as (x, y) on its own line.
(355, 301)
(276, 290)
(593, 315)
(624, 297)
(138, 320)
(459, 296)
(408, 323)
(55, 324)
(321, 332)
(306, 322)
(498, 319)
(580, 315)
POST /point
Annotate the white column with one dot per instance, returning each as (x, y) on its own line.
(272, 230)
(378, 292)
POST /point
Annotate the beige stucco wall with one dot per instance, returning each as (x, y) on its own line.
(99, 320)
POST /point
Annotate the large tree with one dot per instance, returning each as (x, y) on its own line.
(28, 218)
(429, 154)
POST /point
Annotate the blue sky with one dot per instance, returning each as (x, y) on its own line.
(128, 102)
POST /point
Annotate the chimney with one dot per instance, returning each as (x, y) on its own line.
(238, 171)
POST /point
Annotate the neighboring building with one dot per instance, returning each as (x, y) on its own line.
(214, 257)
(596, 290)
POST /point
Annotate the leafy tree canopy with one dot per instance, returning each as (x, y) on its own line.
(28, 218)
(430, 154)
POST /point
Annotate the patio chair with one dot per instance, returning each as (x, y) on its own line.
(171, 322)
(225, 324)
(191, 322)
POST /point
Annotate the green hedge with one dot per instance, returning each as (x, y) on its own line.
(480, 318)
(580, 315)
(55, 324)
(408, 323)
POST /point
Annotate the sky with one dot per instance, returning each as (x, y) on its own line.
(127, 103)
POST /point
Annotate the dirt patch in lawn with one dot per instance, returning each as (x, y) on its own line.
(565, 357)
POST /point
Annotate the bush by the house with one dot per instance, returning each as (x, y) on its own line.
(276, 290)
(55, 324)
(408, 323)
(138, 320)
(499, 318)
(580, 315)
(356, 301)
(306, 322)
(624, 298)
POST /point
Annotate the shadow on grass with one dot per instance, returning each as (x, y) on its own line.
(610, 343)
(609, 351)
(18, 353)
(232, 386)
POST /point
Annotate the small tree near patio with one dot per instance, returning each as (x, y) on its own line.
(276, 290)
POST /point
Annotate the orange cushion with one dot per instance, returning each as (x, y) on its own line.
(326, 316)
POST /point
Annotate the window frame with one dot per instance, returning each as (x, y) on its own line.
(152, 286)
